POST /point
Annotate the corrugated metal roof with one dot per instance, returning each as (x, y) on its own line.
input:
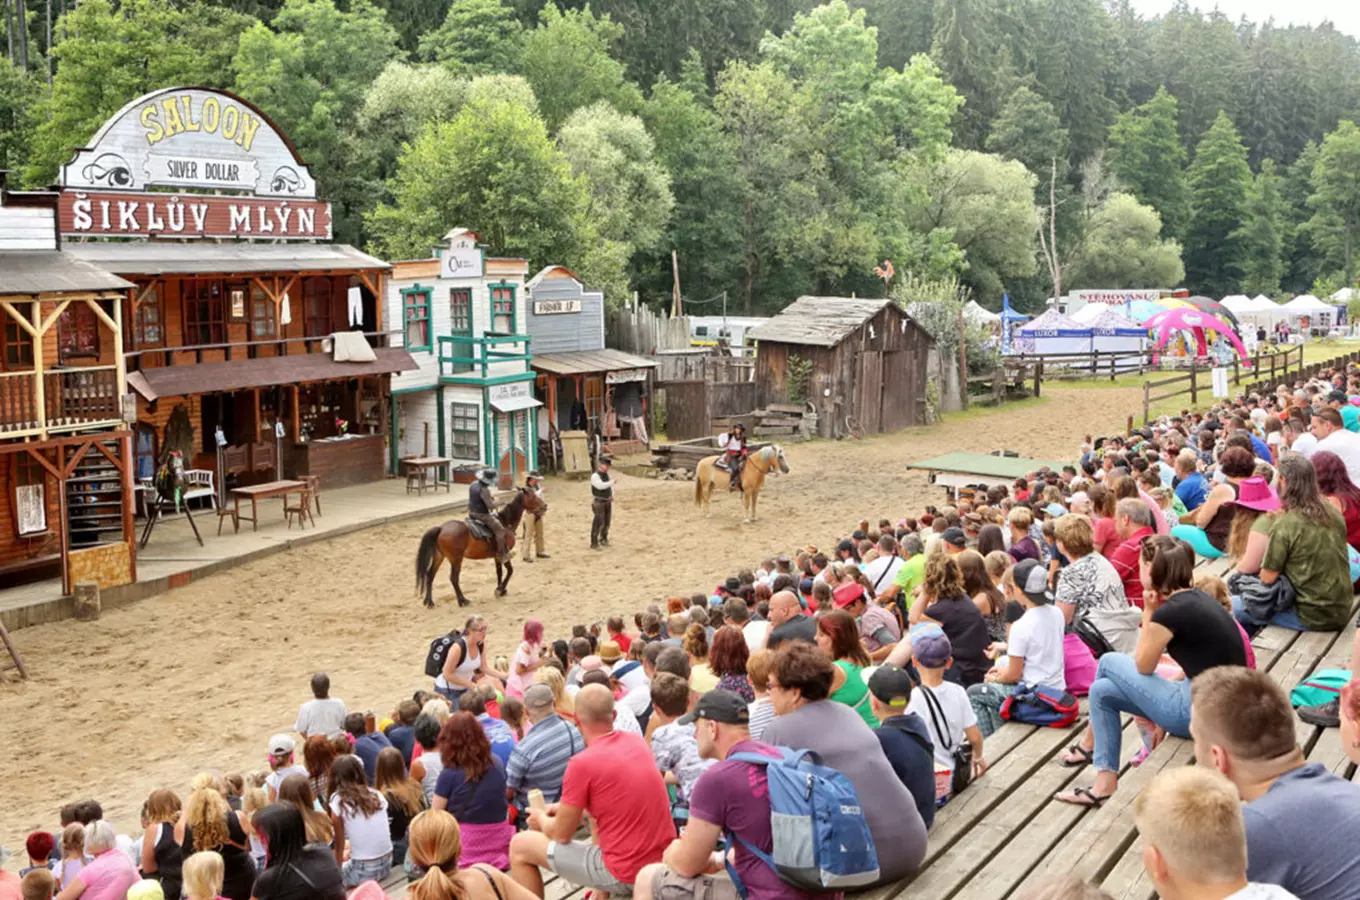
(42, 271)
(164, 258)
(580, 362)
(818, 321)
(264, 371)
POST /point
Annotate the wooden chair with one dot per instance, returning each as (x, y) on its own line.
(228, 512)
(199, 484)
(313, 490)
(302, 510)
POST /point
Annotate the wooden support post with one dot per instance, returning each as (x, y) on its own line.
(17, 662)
(40, 392)
(128, 474)
(1147, 394)
(88, 606)
(1237, 373)
(1194, 388)
(1038, 375)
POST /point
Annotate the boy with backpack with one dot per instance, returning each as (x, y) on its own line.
(735, 797)
(944, 707)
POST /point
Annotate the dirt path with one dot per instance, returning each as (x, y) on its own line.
(199, 678)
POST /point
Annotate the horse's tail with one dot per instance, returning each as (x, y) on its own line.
(699, 483)
(429, 546)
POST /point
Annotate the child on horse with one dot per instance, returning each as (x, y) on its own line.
(733, 445)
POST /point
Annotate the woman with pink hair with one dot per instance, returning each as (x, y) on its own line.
(527, 658)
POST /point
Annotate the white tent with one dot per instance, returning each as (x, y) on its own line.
(1307, 305)
(1090, 312)
(1052, 333)
(1343, 296)
(1237, 303)
(1112, 331)
(978, 314)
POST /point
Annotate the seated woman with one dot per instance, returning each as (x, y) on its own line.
(977, 584)
(1337, 489)
(1090, 587)
(296, 791)
(209, 824)
(800, 686)
(359, 817)
(943, 600)
(838, 638)
(109, 873)
(1206, 529)
(404, 798)
(436, 847)
(1191, 627)
(1250, 532)
(293, 871)
(472, 788)
(1307, 545)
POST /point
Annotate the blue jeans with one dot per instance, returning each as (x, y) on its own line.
(356, 871)
(1288, 618)
(1120, 688)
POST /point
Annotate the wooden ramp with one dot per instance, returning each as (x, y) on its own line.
(1005, 833)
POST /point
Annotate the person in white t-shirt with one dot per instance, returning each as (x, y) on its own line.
(1330, 431)
(359, 817)
(1034, 653)
(942, 705)
(1194, 839)
(323, 715)
(883, 570)
(1298, 438)
(281, 765)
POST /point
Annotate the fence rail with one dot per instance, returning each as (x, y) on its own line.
(1191, 381)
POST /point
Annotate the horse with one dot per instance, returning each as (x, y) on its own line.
(758, 465)
(455, 542)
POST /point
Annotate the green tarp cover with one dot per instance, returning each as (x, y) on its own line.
(985, 464)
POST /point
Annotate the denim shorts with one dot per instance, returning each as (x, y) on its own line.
(357, 871)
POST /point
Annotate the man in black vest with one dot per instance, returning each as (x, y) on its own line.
(602, 494)
(482, 508)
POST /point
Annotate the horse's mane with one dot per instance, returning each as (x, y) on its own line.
(513, 511)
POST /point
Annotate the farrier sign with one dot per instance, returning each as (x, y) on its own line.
(196, 139)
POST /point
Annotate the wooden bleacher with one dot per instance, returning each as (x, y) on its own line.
(1005, 832)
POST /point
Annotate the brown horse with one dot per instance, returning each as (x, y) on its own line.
(455, 542)
(767, 459)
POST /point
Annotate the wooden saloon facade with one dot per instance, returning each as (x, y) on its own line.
(868, 360)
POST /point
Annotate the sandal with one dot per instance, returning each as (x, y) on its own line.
(1080, 796)
(1085, 757)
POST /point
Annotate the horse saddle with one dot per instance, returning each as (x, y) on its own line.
(480, 530)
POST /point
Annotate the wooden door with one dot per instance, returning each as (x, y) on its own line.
(900, 390)
(868, 403)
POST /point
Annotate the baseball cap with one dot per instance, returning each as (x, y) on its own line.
(846, 594)
(931, 648)
(538, 696)
(1079, 497)
(1055, 509)
(955, 536)
(1336, 397)
(891, 684)
(719, 706)
(846, 546)
(1032, 579)
(281, 745)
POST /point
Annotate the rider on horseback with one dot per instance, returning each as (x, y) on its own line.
(482, 509)
(733, 445)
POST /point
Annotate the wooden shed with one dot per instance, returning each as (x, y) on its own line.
(867, 359)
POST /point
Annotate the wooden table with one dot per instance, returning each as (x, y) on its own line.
(418, 471)
(255, 492)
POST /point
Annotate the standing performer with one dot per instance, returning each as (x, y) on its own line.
(602, 492)
(733, 445)
(482, 508)
(533, 523)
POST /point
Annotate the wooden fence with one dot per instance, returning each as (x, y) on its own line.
(697, 407)
(1193, 380)
(645, 332)
(1271, 383)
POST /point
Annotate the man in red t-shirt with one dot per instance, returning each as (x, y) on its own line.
(612, 781)
(1132, 522)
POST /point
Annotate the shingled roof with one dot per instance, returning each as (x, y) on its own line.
(818, 321)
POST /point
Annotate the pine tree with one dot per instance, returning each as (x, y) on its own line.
(1262, 232)
(1220, 179)
(1147, 157)
(1335, 225)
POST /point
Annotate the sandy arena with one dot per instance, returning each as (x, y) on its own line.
(199, 678)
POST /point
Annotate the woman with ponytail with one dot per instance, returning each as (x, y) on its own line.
(435, 846)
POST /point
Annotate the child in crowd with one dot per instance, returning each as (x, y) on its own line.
(252, 801)
(37, 884)
(512, 714)
(762, 710)
(281, 748)
(72, 854)
(1022, 545)
(39, 846)
(674, 746)
(203, 875)
(236, 786)
(942, 705)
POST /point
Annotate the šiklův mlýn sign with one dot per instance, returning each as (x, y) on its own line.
(240, 177)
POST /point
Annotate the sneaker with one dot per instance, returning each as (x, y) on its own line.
(1327, 715)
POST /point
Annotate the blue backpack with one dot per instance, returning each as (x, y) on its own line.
(821, 839)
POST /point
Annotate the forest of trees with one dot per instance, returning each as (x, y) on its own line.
(779, 147)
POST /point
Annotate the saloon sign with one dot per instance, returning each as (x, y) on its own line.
(239, 176)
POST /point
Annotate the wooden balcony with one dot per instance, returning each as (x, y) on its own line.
(69, 400)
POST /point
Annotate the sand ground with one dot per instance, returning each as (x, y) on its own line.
(198, 678)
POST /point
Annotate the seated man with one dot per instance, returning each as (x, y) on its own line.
(481, 508)
(539, 760)
(323, 714)
(367, 746)
(1302, 822)
(627, 804)
(730, 797)
(1194, 842)
(674, 746)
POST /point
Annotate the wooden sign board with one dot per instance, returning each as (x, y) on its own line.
(98, 214)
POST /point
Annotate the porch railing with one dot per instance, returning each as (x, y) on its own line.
(72, 399)
(165, 356)
(461, 354)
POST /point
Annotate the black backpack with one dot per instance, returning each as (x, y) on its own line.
(439, 650)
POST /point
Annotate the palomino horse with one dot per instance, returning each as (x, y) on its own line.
(758, 465)
(455, 542)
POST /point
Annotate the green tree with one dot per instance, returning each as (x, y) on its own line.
(1027, 129)
(568, 63)
(1072, 68)
(18, 95)
(1199, 59)
(1261, 233)
(1302, 258)
(310, 71)
(494, 168)
(1123, 248)
(986, 204)
(1336, 199)
(113, 53)
(1147, 157)
(628, 191)
(477, 37)
(1220, 179)
(963, 46)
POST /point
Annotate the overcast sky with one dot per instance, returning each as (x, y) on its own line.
(1345, 14)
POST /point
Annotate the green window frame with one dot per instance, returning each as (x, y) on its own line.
(503, 307)
(415, 304)
(466, 431)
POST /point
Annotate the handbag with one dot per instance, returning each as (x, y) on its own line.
(1090, 636)
(962, 754)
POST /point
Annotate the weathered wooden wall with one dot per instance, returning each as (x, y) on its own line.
(644, 331)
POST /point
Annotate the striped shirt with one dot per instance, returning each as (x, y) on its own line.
(762, 714)
(539, 760)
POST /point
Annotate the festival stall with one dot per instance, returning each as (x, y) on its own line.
(1142, 310)
(1177, 324)
(1113, 332)
(977, 314)
(1313, 316)
(1009, 320)
(1053, 333)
